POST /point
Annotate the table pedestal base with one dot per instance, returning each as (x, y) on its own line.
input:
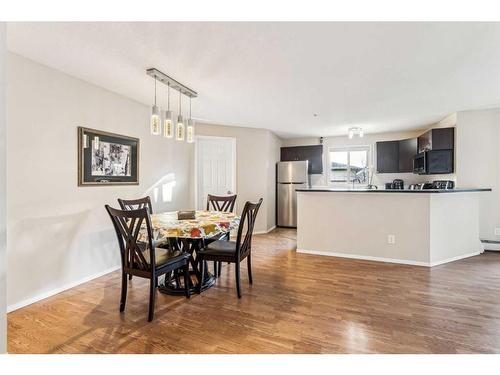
(173, 284)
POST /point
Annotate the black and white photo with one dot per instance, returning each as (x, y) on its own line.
(106, 158)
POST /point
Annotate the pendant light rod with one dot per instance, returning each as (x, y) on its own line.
(168, 97)
(176, 85)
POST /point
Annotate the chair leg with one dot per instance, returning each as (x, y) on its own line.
(249, 266)
(152, 295)
(219, 268)
(238, 281)
(123, 298)
(216, 268)
(130, 277)
(186, 280)
(202, 275)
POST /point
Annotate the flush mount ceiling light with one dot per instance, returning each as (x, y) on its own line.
(168, 130)
(355, 131)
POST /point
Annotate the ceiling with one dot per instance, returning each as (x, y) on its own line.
(380, 76)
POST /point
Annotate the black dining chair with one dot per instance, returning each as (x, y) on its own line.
(144, 259)
(222, 204)
(234, 251)
(135, 204)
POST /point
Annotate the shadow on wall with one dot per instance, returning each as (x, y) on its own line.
(162, 190)
(49, 252)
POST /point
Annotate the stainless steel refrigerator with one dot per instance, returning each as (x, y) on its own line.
(291, 175)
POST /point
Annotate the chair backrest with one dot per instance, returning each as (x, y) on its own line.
(127, 224)
(244, 240)
(218, 203)
(135, 204)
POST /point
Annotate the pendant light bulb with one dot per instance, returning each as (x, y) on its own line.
(168, 125)
(180, 121)
(155, 123)
(190, 126)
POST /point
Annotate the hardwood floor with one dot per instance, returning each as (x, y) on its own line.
(298, 304)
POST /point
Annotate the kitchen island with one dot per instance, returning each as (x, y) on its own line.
(417, 227)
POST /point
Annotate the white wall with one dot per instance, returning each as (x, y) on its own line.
(257, 151)
(3, 277)
(59, 233)
(478, 163)
(273, 157)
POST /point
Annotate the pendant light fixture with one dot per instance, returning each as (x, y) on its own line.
(180, 121)
(168, 125)
(190, 126)
(155, 118)
(182, 130)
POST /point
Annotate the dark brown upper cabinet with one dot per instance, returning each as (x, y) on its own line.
(313, 153)
(388, 157)
(407, 151)
(437, 139)
(396, 156)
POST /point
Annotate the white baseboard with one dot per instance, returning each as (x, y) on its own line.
(265, 231)
(491, 246)
(386, 260)
(53, 292)
(455, 258)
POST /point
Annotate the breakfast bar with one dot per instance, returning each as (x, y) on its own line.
(417, 227)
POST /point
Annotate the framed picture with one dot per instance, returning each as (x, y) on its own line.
(106, 158)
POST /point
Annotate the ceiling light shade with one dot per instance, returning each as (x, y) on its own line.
(168, 125)
(155, 118)
(179, 134)
(355, 131)
(155, 121)
(190, 126)
(180, 128)
(190, 131)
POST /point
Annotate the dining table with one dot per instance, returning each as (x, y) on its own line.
(190, 235)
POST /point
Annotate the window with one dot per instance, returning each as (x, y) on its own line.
(349, 165)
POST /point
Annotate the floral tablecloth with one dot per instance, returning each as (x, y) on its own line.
(205, 225)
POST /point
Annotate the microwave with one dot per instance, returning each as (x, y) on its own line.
(433, 162)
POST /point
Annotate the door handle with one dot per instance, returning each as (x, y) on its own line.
(229, 192)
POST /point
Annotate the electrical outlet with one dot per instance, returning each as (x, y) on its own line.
(391, 239)
(497, 231)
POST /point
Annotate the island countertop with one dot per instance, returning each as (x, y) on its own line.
(424, 191)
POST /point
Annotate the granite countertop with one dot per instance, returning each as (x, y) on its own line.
(358, 190)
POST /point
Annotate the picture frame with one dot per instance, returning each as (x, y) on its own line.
(106, 158)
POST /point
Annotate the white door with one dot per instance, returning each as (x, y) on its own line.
(215, 168)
